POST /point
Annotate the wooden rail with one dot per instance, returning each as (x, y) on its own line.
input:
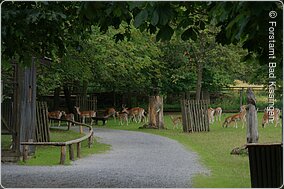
(63, 145)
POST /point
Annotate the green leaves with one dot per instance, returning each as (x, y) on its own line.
(190, 33)
(165, 33)
(155, 18)
(140, 18)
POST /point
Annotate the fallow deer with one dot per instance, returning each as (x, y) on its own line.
(236, 117)
(275, 113)
(210, 112)
(135, 113)
(176, 121)
(122, 117)
(55, 115)
(110, 112)
(69, 117)
(218, 113)
(85, 114)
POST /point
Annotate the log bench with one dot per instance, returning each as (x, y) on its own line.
(100, 118)
(63, 145)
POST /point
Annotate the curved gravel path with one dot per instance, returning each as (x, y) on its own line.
(136, 160)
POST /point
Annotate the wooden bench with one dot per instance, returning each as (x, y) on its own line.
(100, 118)
(63, 145)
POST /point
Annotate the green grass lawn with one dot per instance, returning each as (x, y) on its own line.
(213, 148)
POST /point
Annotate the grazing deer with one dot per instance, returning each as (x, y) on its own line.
(55, 115)
(85, 114)
(135, 113)
(237, 117)
(176, 121)
(110, 112)
(122, 117)
(218, 113)
(276, 115)
(210, 112)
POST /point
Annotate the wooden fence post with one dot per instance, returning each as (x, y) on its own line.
(71, 152)
(63, 155)
(251, 118)
(79, 149)
(25, 152)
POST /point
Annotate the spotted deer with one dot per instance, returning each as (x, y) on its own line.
(55, 115)
(275, 113)
(210, 112)
(110, 112)
(176, 121)
(236, 117)
(69, 117)
(137, 114)
(218, 113)
(85, 114)
(122, 117)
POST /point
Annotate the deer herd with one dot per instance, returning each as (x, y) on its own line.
(126, 115)
(138, 115)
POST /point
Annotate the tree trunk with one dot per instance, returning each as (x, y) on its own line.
(155, 109)
(25, 106)
(56, 99)
(67, 95)
(85, 89)
(199, 80)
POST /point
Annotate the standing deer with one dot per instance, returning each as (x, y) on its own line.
(55, 115)
(237, 117)
(85, 114)
(110, 112)
(218, 113)
(176, 121)
(69, 117)
(276, 115)
(210, 112)
(135, 113)
(122, 117)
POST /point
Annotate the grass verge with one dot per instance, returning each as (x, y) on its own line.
(213, 148)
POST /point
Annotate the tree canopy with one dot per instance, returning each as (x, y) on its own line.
(153, 55)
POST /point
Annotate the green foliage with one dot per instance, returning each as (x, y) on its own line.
(126, 65)
(248, 22)
(39, 29)
(222, 64)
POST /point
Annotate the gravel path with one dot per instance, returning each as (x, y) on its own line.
(136, 160)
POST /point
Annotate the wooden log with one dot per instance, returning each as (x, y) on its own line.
(252, 130)
(79, 150)
(81, 129)
(62, 155)
(71, 152)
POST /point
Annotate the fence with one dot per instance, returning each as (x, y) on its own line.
(194, 115)
(87, 103)
(42, 129)
(63, 145)
(7, 117)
